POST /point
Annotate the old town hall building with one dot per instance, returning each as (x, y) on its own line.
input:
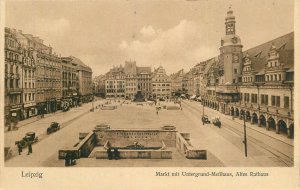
(257, 83)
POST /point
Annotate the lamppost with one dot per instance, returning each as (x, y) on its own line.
(291, 89)
(202, 111)
(245, 135)
(93, 103)
(258, 106)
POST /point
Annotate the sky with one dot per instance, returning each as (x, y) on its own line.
(175, 34)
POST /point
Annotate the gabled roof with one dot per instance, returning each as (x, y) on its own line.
(81, 64)
(285, 46)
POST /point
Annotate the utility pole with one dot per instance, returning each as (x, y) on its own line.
(203, 112)
(93, 103)
(245, 135)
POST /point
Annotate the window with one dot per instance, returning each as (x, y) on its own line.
(253, 98)
(11, 83)
(279, 77)
(278, 101)
(273, 100)
(235, 71)
(264, 99)
(286, 102)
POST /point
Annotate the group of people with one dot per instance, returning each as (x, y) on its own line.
(113, 153)
(70, 159)
(20, 147)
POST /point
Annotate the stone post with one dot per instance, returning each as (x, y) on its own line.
(267, 126)
(259, 122)
(289, 134)
(277, 129)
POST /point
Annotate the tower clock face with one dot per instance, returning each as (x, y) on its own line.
(234, 40)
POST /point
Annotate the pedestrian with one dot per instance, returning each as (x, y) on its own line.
(117, 154)
(109, 154)
(29, 147)
(156, 111)
(19, 147)
(67, 159)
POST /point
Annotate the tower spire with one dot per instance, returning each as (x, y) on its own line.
(230, 22)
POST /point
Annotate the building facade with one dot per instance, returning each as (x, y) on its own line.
(85, 83)
(115, 83)
(13, 109)
(256, 85)
(161, 84)
(69, 81)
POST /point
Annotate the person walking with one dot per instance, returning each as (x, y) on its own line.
(67, 159)
(19, 147)
(29, 147)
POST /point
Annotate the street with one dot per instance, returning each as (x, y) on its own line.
(224, 144)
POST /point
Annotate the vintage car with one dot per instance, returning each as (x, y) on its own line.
(30, 137)
(205, 119)
(54, 126)
(216, 121)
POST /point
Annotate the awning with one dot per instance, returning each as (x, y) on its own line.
(182, 95)
(199, 98)
(290, 70)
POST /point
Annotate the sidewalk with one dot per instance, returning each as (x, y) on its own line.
(262, 130)
(40, 125)
(32, 120)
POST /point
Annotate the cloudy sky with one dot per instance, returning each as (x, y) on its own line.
(173, 33)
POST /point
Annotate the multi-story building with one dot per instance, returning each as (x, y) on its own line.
(99, 85)
(28, 73)
(137, 79)
(177, 82)
(198, 75)
(115, 83)
(29, 90)
(161, 83)
(131, 79)
(144, 81)
(257, 84)
(13, 78)
(48, 79)
(69, 81)
(85, 83)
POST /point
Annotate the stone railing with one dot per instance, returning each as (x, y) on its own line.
(184, 147)
(82, 149)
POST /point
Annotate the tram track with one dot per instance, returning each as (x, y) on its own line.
(279, 155)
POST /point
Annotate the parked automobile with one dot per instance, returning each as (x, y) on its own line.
(161, 99)
(205, 119)
(54, 126)
(216, 121)
(29, 137)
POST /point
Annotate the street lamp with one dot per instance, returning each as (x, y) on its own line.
(245, 135)
(258, 106)
(291, 89)
(93, 103)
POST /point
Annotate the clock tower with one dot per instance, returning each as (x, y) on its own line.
(230, 52)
